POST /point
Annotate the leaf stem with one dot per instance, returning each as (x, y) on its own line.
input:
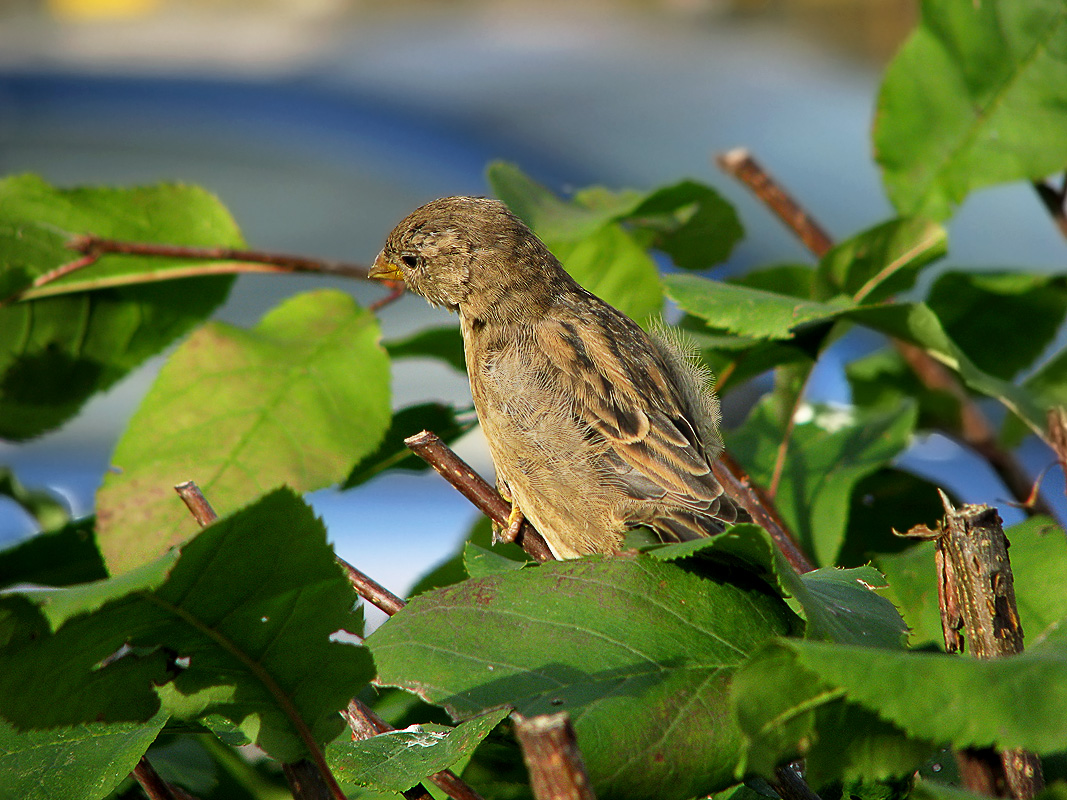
(154, 786)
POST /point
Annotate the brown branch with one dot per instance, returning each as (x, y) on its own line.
(740, 164)
(429, 447)
(95, 246)
(197, 504)
(550, 750)
(974, 429)
(370, 590)
(976, 592)
(1057, 435)
(763, 512)
(154, 786)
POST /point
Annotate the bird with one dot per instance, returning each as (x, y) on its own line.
(594, 425)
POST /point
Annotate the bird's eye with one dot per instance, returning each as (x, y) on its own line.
(410, 260)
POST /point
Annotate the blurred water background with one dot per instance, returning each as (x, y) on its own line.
(320, 123)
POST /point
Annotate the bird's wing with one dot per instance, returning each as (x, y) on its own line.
(626, 390)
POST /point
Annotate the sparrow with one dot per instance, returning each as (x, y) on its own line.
(594, 426)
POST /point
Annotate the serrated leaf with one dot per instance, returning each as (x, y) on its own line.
(787, 712)
(62, 349)
(881, 261)
(975, 97)
(235, 629)
(604, 639)
(83, 762)
(299, 399)
(747, 311)
(397, 760)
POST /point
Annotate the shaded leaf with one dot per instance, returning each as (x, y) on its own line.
(83, 762)
(298, 399)
(444, 344)
(966, 302)
(829, 453)
(235, 629)
(975, 97)
(397, 760)
(56, 558)
(604, 639)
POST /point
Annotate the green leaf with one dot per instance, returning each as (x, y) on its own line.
(606, 639)
(299, 399)
(60, 350)
(975, 97)
(83, 762)
(235, 629)
(881, 261)
(746, 311)
(397, 760)
(444, 344)
(392, 453)
(688, 221)
(965, 302)
(828, 455)
(786, 712)
(838, 605)
(481, 562)
(55, 558)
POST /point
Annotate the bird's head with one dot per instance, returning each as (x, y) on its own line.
(469, 254)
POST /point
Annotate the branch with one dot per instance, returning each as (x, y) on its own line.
(763, 512)
(740, 164)
(228, 260)
(974, 428)
(154, 786)
(429, 447)
(976, 591)
(550, 750)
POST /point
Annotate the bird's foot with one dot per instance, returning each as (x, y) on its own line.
(511, 532)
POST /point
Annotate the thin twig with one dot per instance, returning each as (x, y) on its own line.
(974, 428)
(740, 164)
(282, 262)
(550, 750)
(763, 512)
(370, 590)
(429, 447)
(154, 786)
(197, 504)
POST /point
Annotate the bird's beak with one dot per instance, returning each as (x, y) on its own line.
(385, 270)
